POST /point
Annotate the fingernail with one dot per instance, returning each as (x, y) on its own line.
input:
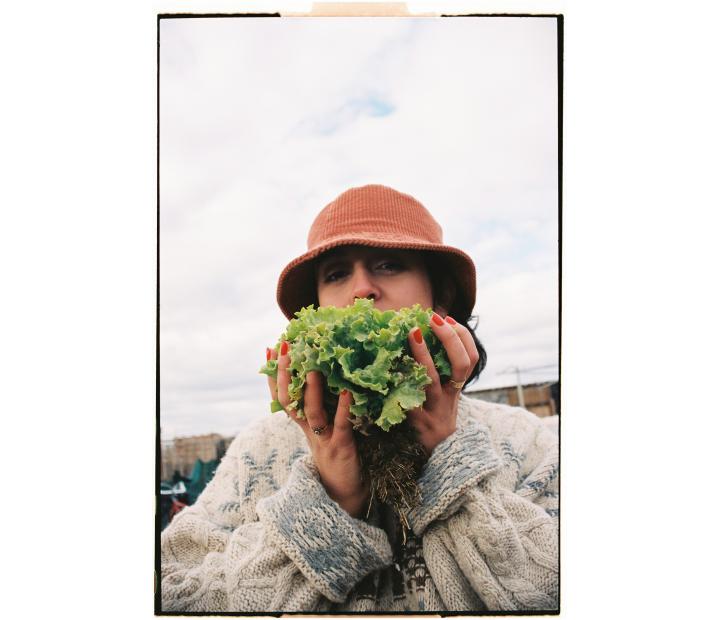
(283, 348)
(268, 353)
(451, 320)
(343, 393)
(437, 319)
(417, 335)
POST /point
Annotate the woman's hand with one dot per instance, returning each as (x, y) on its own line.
(333, 449)
(436, 420)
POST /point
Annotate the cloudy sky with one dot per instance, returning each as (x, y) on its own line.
(264, 121)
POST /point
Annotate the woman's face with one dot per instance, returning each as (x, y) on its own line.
(394, 279)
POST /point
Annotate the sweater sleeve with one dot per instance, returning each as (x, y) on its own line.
(296, 551)
(489, 528)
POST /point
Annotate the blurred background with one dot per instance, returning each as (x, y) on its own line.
(263, 121)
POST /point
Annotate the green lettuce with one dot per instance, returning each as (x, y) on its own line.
(364, 350)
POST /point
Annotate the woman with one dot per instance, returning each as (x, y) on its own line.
(283, 524)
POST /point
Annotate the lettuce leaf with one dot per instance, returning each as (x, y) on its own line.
(364, 350)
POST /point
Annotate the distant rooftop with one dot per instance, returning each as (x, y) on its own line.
(510, 385)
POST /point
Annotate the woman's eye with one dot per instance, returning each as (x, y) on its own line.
(389, 266)
(334, 275)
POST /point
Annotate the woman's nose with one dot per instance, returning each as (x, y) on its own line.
(363, 285)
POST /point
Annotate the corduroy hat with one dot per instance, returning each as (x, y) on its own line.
(376, 216)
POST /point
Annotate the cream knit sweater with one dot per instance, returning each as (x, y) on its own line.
(264, 535)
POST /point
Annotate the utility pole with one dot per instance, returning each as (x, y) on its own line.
(516, 370)
(521, 397)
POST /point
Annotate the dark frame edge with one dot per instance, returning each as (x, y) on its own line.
(158, 448)
(560, 76)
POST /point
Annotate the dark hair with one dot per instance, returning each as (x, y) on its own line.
(445, 294)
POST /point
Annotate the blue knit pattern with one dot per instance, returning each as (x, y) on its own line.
(455, 465)
(332, 549)
(257, 472)
(537, 482)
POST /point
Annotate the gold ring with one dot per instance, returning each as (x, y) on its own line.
(319, 429)
(458, 385)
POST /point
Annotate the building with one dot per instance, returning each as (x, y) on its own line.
(180, 454)
(543, 399)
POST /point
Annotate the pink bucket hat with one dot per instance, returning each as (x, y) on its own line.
(376, 216)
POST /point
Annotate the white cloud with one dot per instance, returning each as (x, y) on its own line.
(264, 121)
(518, 324)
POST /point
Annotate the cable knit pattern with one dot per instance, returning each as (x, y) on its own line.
(455, 465)
(264, 536)
(332, 549)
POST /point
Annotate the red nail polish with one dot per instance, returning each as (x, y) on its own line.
(437, 319)
(343, 393)
(417, 334)
(451, 320)
(283, 348)
(268, 354)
